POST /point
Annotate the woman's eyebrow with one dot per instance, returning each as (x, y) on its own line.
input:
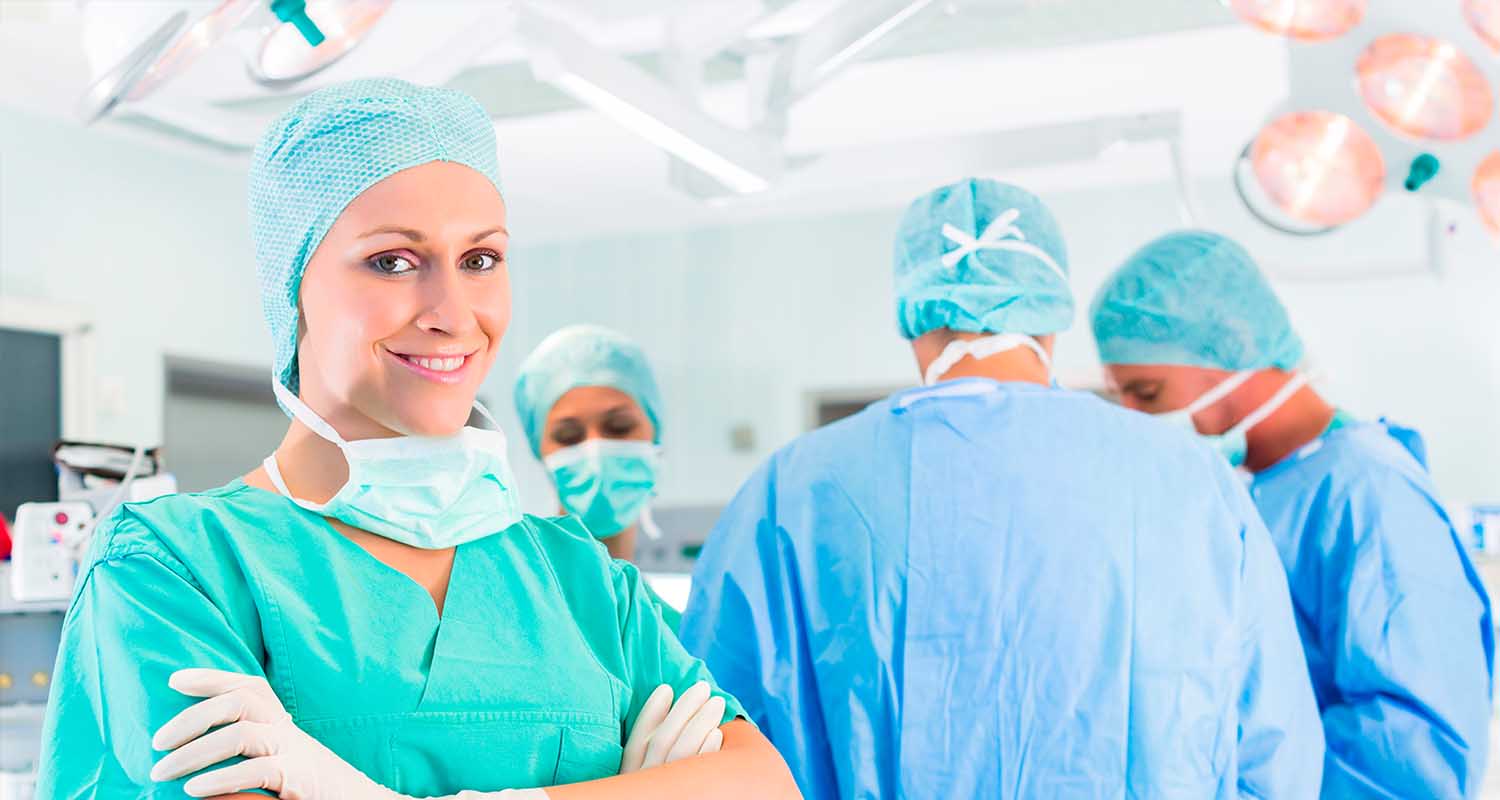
(418, 236)
(414, 235)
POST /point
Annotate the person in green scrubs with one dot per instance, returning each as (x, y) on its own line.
(368, 614)
(591, 409)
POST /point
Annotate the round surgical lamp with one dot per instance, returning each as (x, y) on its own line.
(1484, 19)
(1310, 172)
(1306, 20)
(284, 55)
(166, 52)
(1424, 88)
(1404, 103)
(1487, 192)
(301, 37)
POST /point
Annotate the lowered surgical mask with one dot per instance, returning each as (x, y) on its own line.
(1233, 444)
(431, 492)
(606, 482)
(980, 349)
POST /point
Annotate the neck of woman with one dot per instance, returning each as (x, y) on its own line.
(313, 468)
(622, 544)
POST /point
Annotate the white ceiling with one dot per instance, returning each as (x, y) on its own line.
(881, 131)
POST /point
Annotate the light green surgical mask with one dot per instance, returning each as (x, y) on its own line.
(605, 482)
(431, 492)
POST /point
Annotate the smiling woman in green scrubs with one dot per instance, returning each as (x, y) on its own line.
(368, 614)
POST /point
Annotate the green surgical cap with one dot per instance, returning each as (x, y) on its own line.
(582, 355)
(1193, 298)
(328, 149)
(980, 256)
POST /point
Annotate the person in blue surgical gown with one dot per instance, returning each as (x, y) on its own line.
(1394, 620)
(993, 587)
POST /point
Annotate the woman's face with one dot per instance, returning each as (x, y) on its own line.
(594, 412)
(404, 303)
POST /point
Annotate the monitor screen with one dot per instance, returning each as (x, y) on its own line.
(30, 417)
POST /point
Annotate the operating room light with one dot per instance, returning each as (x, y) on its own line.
(1424, 87)
(171, 47)
(1484, 18)
(198, 37)
(1318, 167)
(1307, 20)
(1487, 192)
(285, 56)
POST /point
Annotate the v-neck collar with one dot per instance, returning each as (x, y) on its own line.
(392, 574)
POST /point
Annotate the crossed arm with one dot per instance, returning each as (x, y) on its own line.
(674, 750)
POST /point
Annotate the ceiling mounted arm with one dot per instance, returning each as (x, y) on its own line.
(848, 32)
(743, 161)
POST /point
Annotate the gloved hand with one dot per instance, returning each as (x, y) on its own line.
(665, 732)
(279, 756)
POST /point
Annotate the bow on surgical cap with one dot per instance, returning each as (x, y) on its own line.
(582, 355)
(981, 256)
(326, 150)
(1193, 298)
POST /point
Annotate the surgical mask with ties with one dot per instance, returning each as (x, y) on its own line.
(1233, 444)
(607, 483)
(431, 492)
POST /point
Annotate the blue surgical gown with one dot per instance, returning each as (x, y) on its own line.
(1393, 617)
(545, 651)
(1008, 591)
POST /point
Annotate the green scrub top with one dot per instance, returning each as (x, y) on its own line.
(544, 654)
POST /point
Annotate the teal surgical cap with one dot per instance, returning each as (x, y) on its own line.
(981, 256)
(326, 150)
(1197, 299)
(582, 355)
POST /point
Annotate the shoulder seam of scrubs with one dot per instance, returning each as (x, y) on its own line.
(115, 550)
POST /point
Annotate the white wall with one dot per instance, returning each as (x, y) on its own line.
(154, 246)
(741, 321)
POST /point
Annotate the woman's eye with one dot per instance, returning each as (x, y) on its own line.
(480, 262)
(391, 264)
(568, 434)
(618, 428)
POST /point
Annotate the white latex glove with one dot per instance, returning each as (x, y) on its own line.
(279, 756)
(665, 732)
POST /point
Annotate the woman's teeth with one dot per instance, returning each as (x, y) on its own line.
(437, 364)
